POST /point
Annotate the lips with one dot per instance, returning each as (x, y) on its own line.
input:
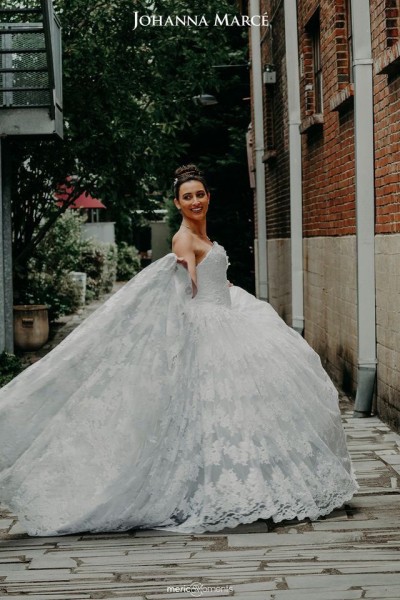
(196, 210)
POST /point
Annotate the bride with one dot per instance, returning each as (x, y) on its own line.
(183, 403)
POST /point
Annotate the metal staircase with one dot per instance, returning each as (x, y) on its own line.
(30, 66)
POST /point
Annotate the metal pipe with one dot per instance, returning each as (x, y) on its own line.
(296, 201)
(262, 252)
(365, 205)
(6, 290)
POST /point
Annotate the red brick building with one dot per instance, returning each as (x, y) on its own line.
(330, 162)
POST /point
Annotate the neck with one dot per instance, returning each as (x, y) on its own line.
(197, 227)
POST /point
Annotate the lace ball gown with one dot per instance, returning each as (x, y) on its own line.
(170, 412)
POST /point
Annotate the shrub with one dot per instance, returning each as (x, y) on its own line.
(110, 268)
(10, 366)
(128, 262)
(99, 262)
(60, 250)
(46, 279)
(58, 291)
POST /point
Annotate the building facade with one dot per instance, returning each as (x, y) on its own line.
(344, 78)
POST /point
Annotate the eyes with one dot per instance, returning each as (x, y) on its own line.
(199, 194)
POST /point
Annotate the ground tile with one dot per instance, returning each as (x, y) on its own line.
(383, 592)
(310, 538)
(342, 582)
(313, 595)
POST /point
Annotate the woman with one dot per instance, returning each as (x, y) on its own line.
(183, 403)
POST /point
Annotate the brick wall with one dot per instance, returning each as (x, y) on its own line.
(276, 157)
(329, 226)
(328, 148)
(386, 49)
(384, 22)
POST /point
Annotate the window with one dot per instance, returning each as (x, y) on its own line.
(317, 67)
(313, 40)
(270, 118)
(392, 22)
(388, 59)
(349, 30)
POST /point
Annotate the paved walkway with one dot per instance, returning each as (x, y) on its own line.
(353, 553)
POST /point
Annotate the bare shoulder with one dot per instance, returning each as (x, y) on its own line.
(183, 243)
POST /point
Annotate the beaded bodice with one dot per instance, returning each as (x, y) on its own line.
(212, 283)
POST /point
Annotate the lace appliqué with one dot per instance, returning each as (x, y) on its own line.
(167, 411)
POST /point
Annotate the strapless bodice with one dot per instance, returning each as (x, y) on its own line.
(212, 283)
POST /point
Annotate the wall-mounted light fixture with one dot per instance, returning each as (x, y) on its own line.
(205, 100)
(269, 74)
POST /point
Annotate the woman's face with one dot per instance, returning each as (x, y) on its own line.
(193, 200)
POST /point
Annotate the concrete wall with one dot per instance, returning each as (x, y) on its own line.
(279, 277)
(388, 327)
(102, 232)
(160, 245)
(330, 297)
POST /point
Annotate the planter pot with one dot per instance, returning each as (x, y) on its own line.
(31, 326)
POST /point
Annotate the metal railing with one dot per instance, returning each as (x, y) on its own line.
(30, 65)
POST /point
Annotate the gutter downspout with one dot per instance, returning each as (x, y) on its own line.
(296, 201)
(6, 280)
(365, 205)
(260, 245)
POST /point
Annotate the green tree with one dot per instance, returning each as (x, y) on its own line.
(127, 95)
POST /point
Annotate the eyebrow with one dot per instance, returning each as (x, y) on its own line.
(196, 192)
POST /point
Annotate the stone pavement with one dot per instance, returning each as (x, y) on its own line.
(352, 553)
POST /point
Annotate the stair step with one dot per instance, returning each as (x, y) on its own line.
(37, 70)
(14, 30)
(24, 89)
(22, 51)
(20, 11)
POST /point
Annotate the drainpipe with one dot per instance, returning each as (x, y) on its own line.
(261, 240)
(296, 202)
(365, 205)
(6, 289)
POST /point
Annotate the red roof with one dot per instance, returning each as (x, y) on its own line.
(85, 200)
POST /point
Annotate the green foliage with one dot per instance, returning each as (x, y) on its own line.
(99, 262)
(127, 95)
(130, 120)
(10, 366)
(58, 291)
(60, 250)
(45, 280)
(128, 262)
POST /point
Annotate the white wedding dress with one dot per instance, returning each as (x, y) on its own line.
(165, 411)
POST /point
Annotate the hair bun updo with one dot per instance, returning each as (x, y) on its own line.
(188, 173)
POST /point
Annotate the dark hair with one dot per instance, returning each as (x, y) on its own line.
(187, 173)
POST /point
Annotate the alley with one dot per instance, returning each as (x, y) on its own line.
(353, 553)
